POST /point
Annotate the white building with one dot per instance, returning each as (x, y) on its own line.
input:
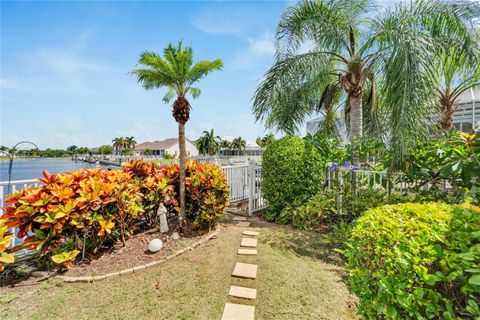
(467, 115)
(170, 146)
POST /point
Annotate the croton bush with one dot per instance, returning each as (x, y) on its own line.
(416, 261)
(89, 208)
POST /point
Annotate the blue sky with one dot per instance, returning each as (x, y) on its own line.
(64, 68)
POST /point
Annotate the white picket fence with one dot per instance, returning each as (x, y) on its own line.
(245, 182)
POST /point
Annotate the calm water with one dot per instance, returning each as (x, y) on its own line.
(32, 168)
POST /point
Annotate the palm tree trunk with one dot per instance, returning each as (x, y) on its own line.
(356, 122)
(447, 117)
(183, 161)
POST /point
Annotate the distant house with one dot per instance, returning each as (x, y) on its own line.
(251, 148)
(170, 146)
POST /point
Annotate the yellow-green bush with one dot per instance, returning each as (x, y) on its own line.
(416, 261)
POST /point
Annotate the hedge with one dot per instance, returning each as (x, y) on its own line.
(292, 171)
(416, 261)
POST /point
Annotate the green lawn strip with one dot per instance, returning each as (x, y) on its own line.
(195, 286)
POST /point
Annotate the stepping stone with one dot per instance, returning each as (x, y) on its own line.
(251, 233)
(242, 292)
(249, 242)
(243, 224)
(245, 270)
(236, 218)
(247, 252)
(235, 311)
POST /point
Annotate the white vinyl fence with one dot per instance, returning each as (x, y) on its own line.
(245, 182)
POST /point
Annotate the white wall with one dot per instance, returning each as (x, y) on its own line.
(192, 150)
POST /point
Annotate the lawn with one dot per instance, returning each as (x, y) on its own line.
(297, 279)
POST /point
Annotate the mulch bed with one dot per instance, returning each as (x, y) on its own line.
(134, 253)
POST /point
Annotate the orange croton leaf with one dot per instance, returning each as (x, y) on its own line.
(106, 226)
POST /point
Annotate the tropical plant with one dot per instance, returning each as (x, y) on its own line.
(130, 143)
(103, 207)
(416, 261)
(225, 145)
(118, 144)
(239, 144)
(453, 158)
(208, 143)
(353, 53)
(175, 71)
(147, 152)
(265, 141)
(458, 70)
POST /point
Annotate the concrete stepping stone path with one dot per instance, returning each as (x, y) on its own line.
(242, 292)
(236, 218)
(249, 242)
(234, 311)
(247, 252)
(243, 224)
(245, 270)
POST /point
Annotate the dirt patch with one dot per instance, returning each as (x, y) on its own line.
(134, 253)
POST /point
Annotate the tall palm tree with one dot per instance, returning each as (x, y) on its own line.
(354, 54)
(208, 143)
(175, 71)
(118, 144)
(239, 144)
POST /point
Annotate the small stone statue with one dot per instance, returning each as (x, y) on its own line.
(162, 215)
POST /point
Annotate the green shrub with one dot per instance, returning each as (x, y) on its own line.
(416, 261)
(292, 171)
(316, 210)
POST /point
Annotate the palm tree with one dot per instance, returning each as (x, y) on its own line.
(353, 53)
(175, 71)
(239, 144)
(208, 143)
(118, 144)
(265, 141)
(458, 71)
(130, 143)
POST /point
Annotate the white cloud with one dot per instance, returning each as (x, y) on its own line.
(63, 62)
(259, 51)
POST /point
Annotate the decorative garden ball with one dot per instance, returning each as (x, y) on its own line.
(155, 245)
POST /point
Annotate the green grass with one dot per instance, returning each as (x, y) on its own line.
(294, 281)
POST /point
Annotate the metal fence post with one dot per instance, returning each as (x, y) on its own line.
(251, 187)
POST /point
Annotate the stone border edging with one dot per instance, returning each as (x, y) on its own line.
(138, 268)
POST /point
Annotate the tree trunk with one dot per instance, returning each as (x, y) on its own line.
(183, 165)
(447, 117)
(356, 122)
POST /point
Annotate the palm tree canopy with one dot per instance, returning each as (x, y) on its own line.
(175, 70)
(239, 143)
(353, 55)
(208, 143)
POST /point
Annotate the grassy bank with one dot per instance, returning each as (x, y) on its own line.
(296, 280)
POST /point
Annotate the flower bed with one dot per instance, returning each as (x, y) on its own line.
(89, 209)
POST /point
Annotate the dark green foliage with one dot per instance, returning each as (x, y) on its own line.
(416, 261)
(317, 209)
(292, 171)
